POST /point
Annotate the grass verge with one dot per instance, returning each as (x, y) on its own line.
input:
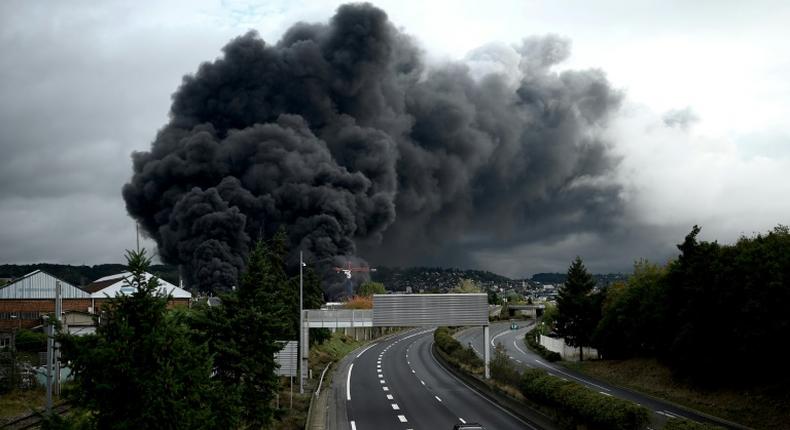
(333, 349)
(20, 402)
(761, 407)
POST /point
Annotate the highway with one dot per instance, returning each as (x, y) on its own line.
(513, 341)
(397, 383)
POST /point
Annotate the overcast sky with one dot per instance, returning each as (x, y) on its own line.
(703, 133)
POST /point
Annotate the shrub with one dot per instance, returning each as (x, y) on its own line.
(458, 355)
(586, 405)
(31, 341)
(502, 369)
(359, 302)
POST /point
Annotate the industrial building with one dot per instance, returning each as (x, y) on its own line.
(25, 300)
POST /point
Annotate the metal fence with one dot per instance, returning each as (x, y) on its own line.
(339, 318)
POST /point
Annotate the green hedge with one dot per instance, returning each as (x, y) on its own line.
(31, 341)
(681, 424)
(588, 406)
(532, 340)
(457, 354)
(502, 369)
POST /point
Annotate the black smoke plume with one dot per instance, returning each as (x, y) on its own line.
(343, 134)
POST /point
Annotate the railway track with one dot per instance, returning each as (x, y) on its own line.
(33, 420)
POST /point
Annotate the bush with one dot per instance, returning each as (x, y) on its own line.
(502, 369)
(680, 424)
(31, 341)
(586, 405)
(532, 341)
(456, 353)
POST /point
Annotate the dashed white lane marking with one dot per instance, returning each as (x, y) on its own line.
(363, 351)
(385, 388)
(462, 420)
(381, 381)
(571, 376)
(605, 394)
(348, 383)
(395, 407)
(437, 398)
(668, 414)
(353, 425)
(402, 418)
(412, 371)
(389, 397)
(422, 382)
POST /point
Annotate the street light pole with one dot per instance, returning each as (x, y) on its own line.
(301, 326)
(48, 328)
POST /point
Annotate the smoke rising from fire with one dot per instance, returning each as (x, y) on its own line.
(343, 134)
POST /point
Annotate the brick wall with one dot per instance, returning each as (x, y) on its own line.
(28, 311)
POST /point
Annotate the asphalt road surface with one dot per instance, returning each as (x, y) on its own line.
(398, 384)
(513, 341)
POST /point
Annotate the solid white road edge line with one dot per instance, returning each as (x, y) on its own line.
(517, 347)
(348, 383)
(363, 351)
(500, 334)
(568, 374)
(353, 425)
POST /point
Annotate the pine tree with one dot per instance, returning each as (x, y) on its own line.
(242, 335)
(576, 318)
(141, 370)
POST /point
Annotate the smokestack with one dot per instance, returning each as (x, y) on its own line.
(341, 133)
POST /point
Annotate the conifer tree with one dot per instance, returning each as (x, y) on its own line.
(141, 370)
(576, 313)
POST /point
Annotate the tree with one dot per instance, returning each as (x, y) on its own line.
(466, 286)
(634, 319)
(493, 298)
(141, 370)
(577, 315)
(242, 335)
(370, 288)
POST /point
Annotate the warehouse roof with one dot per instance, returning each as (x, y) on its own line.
(40, 285)
(110, 286)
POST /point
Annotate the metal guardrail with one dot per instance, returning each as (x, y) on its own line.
(321, 381)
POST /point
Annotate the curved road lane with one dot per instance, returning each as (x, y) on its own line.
(513, 341)
(398, 384)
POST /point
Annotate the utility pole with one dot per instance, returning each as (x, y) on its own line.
(301, 325)
(58, 316)
(13, 354)
(48, 326)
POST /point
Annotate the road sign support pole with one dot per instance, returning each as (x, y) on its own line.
(487, 349)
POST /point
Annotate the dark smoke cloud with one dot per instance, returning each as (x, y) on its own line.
(341, 133)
